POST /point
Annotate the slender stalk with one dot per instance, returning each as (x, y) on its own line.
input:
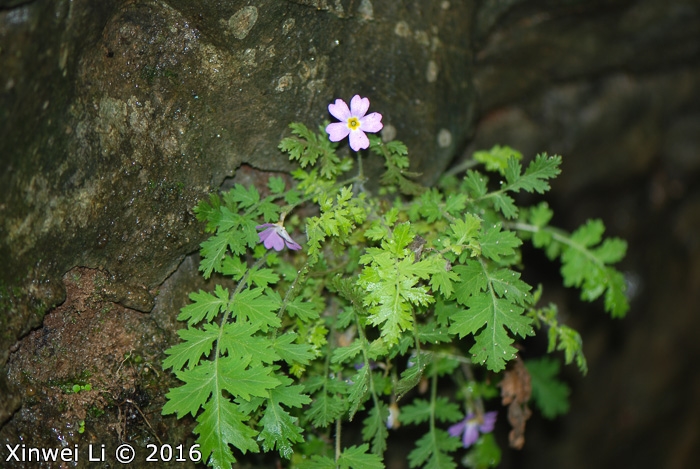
(301, 273)
(338, 427)
(433, 399)
(558, 235)
(463, 166)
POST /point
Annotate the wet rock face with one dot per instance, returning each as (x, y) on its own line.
(119, 117)
(91, 371)
(533, 45)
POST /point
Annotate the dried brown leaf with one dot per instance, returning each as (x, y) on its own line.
(516, 389)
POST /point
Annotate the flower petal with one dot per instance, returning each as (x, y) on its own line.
(263, 235)
(489, 422)
(456, 429)
(274, 241)
(337, 131)
(471, 434)
(371, 123)
(340, 110)
(291, 244)
(358, 140)
(358, 106)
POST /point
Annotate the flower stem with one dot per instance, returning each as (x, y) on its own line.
(463, 166)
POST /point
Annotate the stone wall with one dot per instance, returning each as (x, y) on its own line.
(116, 117)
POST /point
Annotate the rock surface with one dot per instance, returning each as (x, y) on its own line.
(117, 117)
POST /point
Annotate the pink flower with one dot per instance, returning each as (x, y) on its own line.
(275, 236)
(353, 122)
(470, 427)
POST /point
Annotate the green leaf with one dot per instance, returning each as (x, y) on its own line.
(538, 172)
(444, 310)
(541, 214)
(269, 210)
(329, 403)
(496, 159)
(473, 280)
(430, 202)
(584, 266)
(444, 365)
(391, 286)
(263, 277)
(505, 203)
(611, 250)
(358, 390)
(234, 267)
(396, 162)
(308, 147)
(288, 394)
(204, 305)
(616, 302)
(356, 457)
(276, 184)
(475, 184)
(401, 238)
(292, 197)
(550, 394)
(239, 341)
(209, 212)
(212, 252)
(571, 344)
(236, 377)
(496, 243)
(344, 354)
(261, 311)
(188, 398)
(507, 284)
(290, 352)
(455, 204)
(246, 197)
(485, 453)
(500, 308)
(377, 231)
(339, 216)
(219, 426)
(431, 451)
(422, 269)
(319, 462)
(416, 412)
(464, 235)
(493, 344)
(374, 428)
(432, 333)
(195, 344)
(411, 376)
(280, 430)
(447, 411)
(396, 147)
(303, 309)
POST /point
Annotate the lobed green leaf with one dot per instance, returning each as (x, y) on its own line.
(195, 344)
(549, 393)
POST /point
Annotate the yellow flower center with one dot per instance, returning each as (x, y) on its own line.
(353, 123)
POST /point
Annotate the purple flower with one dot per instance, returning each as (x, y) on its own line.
(353, 122)
(470, 427)
(275, 236)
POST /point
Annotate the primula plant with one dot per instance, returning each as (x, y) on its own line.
(352, 312)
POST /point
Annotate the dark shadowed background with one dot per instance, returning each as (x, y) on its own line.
(116, 117)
